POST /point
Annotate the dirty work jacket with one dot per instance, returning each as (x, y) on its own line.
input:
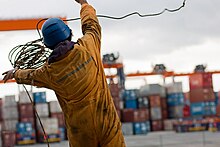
(79, 83)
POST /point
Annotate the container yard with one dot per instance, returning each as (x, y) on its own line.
(152, 112)
(95, 72)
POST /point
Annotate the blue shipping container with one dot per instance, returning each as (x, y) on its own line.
(39, 97)
(130, 94)
(141, 127)
(197, 109)
(131, 104)
(175, 99)
(24, 129)
(62, 133)
(210, 108)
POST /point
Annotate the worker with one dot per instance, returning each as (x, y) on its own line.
(75, 72)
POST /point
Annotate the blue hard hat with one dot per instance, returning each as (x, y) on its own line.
(54, 31)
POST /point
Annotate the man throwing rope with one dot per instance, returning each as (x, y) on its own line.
(75, 72)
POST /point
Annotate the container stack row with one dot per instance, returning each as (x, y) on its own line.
(20, 124)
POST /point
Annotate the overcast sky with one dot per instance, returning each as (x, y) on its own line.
(179, 40)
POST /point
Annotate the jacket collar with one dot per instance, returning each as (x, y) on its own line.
(60, 50)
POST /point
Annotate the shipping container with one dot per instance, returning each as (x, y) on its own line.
(141, 127)
(132, 104)
(9, 100)
(138, 115)
(201, 95)
(60, 118)
(156, 113)
(175, 99)
(210, 109)
(200, 80)
(24, 97)
(63, 135)
(10, 112)
(54, 107)
(131, 94)
(25, 134)
(42, 109)
(39, 97)
(143, 102)
(155, 101)
(152, 89)
(9, 125)
(8, 138)
(175, 111)
(29, 120)
(127, 128)
(169, 124)
(164, 103)
(197, 109)
(174, 88)
(157, 125)
(50, 125)
(26, 110)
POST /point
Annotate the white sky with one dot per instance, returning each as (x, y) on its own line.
(180, 40)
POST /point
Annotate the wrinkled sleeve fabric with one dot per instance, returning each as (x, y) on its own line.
(91, 29)
(36, 77)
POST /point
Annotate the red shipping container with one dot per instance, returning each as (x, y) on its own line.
(164, 103)
(155, 101)
(200, 80)
(60, 117)
(8, 138)
(157, 125)
(218, 110)
(202, 95)
(26, 110)
(186, 111)
(30, 120)
(137, 115)
(164, 114)
(116, 101)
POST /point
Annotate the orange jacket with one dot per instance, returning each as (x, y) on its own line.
(79, 83)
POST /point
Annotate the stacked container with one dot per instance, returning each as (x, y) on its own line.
(50, 124)
(25, 129)
(115, 90)
(135, 116)
(157, 104)
(175, 100)
(25, 133)
(56, 112)
(202, 95)
(10, 119)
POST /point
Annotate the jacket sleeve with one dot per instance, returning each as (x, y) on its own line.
(36, 77)
(90, 28)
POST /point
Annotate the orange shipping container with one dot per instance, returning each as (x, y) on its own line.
(200, 80)
(155, 101)
(201, 95)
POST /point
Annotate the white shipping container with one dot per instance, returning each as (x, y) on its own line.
(9, 125)
(55, 107)
(9, 100)
(156, 113)
(127, 128)
(24, 98)
(152, 89)
(42, 109)
(50, 125)
(10, 112)
(169, 124)
(174, 88)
